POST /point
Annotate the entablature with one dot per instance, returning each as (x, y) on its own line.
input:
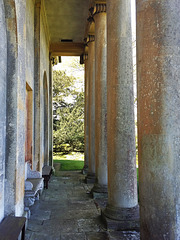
(66, 49)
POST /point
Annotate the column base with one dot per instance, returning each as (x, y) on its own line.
(90, 178)
(121, 218)
(99, 191)
(84, 170)
(99, 195)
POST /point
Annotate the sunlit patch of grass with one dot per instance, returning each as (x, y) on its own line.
(69, 156)
(70, 165)
(70, 162)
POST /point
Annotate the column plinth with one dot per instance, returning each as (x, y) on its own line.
(99, 188)
(122, 214)
(121, 218)
(90, 178)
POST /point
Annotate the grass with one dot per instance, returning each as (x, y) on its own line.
(70, 162)
(69, 156)
(70, 165)
(73, 161)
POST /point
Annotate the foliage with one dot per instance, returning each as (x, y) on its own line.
(68, 114)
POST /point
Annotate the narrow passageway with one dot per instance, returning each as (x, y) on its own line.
(66, 211)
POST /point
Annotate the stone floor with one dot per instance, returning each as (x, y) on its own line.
(66, 211)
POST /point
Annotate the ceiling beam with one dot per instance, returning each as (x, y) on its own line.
(66, 49)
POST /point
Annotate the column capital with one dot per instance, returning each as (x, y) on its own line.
(85, 57)
(99, 8)
(90, 38)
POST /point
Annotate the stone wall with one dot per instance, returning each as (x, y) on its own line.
(17, 67)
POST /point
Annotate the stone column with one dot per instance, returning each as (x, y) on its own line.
(50, 114)
(37, 84)
(3, 81)
(15, 14)
(91, 97)
(158, 67)
(122, 177)
(11, 108)
(86, 116)
(101, 98)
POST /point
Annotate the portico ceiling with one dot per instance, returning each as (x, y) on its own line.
(67, 19)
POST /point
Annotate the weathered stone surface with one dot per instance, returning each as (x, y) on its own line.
(122, 179)
(67, 218)
(3, 72)
(158, 69)
(91, 113)
(86, 117)
(120, 225)
(97, 236)
(101, 101)
(129, 235)
(37, 93)
(73, 236)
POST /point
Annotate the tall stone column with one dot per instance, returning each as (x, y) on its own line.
(91, 97)
(101, 98)
(11, 108)
(37, 84)
(3, 82)
(86, 116)
(50, 114)
(122, 177)
(158, 67)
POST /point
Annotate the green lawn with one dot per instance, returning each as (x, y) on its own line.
(70, 162)
(70, 165)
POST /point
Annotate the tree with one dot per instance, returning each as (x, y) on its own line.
(68, 114)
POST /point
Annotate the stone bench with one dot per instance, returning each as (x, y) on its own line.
(46, 174)
(33, 186)
(11, 228)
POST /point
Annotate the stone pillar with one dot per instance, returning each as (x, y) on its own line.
(15, 13)
(21, 108)
(101, 98)
(91, 97)
(3, 80)
(50, 114)
(86, 116)
(158, 67)
(37, 84)
(11, 107)
(122, 177)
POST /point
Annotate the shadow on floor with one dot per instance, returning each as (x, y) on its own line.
(66, 211)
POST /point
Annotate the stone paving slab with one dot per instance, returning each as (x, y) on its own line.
(129, 235)
(97, 236)
(66, 211)
(73, 236)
